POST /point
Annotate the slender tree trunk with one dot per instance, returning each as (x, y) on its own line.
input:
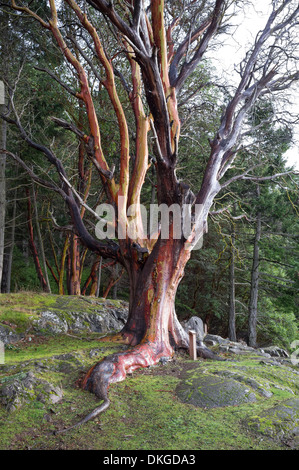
(75, 263)
(108, 288)
(2, 179)
(114, 293)
(253, 303)
(94, 281)
(93, 278)
(232, 305)
(12, 241)
(52, 272)
(62, 266)
(113, 281)
(40, 241)
(8, 257)
(34, 251)
(74, 266)
(99, 277)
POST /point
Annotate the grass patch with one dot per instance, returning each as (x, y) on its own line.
(145, 412)
(51, 345)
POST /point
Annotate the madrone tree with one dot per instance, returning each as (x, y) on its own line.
(158, 44)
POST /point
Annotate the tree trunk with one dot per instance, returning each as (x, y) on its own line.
(62, 266)
(152, 329)
(253, 304)
(114, 292)
(152, 326)
(40, 241)
(11, 247)
(99, 277)
(34, 251)
(112, 283)
(74, 280)
(94, 278)
(2, 179)
(232, 304)
(8, 256)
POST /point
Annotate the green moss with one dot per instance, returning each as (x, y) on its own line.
(145, 412)
(59, 344)
(10, 378)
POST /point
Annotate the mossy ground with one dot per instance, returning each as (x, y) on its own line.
(19, 309)
(145, 412)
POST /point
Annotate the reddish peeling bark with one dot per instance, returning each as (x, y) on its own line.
(74, 266)
(92, 279)
(152, 330)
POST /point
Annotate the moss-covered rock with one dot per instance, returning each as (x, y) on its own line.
(208, 391)
(8, 334)
(280, 422)
(19, 389)
(25, 313)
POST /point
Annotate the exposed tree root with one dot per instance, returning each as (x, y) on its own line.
(113, 338)
(87, 418)
(114, 368)
(123, 338)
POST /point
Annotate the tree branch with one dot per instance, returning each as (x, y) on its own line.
(245, 176)
(211, 27)
(31, 173)
(110, 250)
(181, 50)
(31, 13)
(58, 80)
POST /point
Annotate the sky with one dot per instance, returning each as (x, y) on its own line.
(252, 19)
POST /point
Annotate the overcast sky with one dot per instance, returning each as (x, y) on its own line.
(252, 19)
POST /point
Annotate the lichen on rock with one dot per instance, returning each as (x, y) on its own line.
(23, 387)
(209, 391)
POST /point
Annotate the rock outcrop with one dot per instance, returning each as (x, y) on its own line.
(66, 314)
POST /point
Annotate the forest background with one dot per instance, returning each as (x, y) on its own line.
(250, 260)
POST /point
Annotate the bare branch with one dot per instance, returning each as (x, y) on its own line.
(226, 210)
(245, 176)
(79, 198)
(159, 152)
(181, 50)
(31, 13)
(210, 26)
(138, 6)
(69, 126)
(130, 33)
(58, 80)
(86, 58)
(31, 173)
